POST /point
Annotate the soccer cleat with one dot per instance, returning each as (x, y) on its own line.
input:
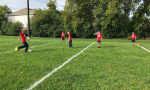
(16, 49)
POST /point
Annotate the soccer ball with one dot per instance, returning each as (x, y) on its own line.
(30, 51)
(28, 38)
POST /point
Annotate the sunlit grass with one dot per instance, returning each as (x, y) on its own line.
(117, 65)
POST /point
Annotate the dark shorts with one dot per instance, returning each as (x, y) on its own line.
(99, 41)
(63, 38)
(133, 40)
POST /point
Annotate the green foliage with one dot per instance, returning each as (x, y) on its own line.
(141, 20)
(114, 18)
(11, 29)
(111, 17)
(47, 23)
(4, 11)
(78, 16)
(8, 28)
(52, 5)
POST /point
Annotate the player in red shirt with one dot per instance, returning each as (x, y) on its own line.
(63, 36)
(70, 40)
(23, 39)
(99, 37)
(133, 36)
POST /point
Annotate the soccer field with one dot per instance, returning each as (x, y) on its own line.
(116, 66)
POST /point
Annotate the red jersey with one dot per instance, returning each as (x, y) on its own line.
(62, 35)
(133, 36)
(69, 35)
(23, 37)
(99, 36)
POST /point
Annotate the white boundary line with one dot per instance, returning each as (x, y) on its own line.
(144, 49)
(57, 68)
(29, 47)
(7, 52)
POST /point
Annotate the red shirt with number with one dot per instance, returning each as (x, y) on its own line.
(62, 35)
(133, 36)
(99, 36)
(69, 35)
(23, 37)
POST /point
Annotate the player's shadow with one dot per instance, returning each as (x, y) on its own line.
(79, 47)
(111, 46)
(43, 50)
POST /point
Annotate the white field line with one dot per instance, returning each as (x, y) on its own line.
(140, 47)
(144, 49)
(29, 47)
(57, 68)
(7, 52)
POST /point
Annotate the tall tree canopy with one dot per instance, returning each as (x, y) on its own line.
(4, 11)
(78, 17)
(114, 18)
(48, 22)
(83, 18)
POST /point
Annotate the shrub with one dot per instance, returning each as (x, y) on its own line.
(11, 29)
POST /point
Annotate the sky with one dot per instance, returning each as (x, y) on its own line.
(15, 5)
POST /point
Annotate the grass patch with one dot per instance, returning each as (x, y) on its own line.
(117, 65)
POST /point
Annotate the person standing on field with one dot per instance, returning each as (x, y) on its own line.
(99, 37)
(133, 37)
(63, 36)
(70, 40)
(23, 39)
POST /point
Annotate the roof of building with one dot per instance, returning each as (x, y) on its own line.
(22, 12)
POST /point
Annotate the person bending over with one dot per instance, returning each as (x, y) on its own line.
(23, 39)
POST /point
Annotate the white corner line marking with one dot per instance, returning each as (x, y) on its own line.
(57, 68)
(29, 47)
(144, 48)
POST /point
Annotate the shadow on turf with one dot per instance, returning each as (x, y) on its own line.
(44, 50)
(108, 46)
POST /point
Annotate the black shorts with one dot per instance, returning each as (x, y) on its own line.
(99, 41)
(133, 40)
(63, 38)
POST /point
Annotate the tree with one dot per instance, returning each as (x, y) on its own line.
(4, 11)
(11, 29)
(78, 17)
(141, 20)
(113, 17)
(47, 23)
(51, 5)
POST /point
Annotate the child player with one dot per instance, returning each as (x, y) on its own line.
(70, 40)
(99, 37)
(63, 36)
(23, 39)
(133, 36)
